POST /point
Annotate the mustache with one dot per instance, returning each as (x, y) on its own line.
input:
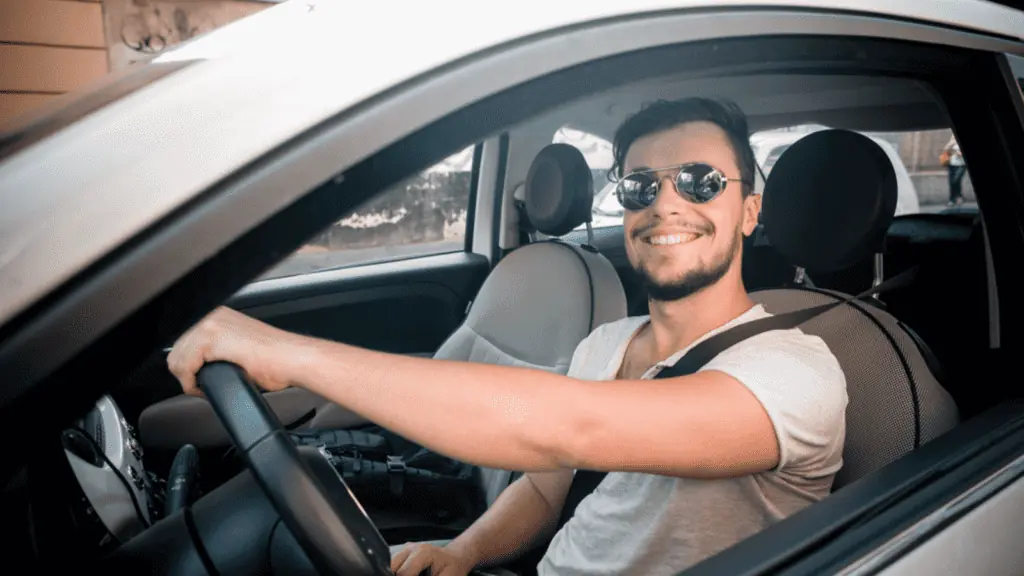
(705, 228)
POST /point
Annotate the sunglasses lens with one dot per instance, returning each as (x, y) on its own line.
(637, 191)
(700, 183)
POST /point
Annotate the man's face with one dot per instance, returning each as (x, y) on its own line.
(679, 247)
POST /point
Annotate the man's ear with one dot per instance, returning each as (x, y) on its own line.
(751, 212)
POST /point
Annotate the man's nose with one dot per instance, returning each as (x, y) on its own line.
(668, 201)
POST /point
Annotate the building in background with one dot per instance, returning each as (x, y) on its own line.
(51, 47)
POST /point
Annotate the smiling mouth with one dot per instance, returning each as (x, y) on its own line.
(671, 239)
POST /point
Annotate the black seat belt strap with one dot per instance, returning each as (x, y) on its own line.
(586, 481)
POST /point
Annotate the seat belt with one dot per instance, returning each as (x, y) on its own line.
(586, 481)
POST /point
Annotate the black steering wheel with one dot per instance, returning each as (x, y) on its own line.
(327, 522)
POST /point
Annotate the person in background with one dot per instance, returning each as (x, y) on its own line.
(953, 159)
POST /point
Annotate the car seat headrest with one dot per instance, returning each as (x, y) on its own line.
(829, 200)
(559, 190)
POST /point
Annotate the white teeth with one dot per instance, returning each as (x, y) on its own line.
(671, 239)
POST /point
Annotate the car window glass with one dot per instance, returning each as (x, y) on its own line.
(423, 215)
(926, 181)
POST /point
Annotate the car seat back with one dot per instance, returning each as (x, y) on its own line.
(827, 205)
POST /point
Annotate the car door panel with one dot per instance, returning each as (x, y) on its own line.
(407, 307)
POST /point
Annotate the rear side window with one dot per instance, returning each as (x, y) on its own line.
(927, 181)
(421, 216)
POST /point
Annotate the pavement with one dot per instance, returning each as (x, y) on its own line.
(936, 208)
(305, 262)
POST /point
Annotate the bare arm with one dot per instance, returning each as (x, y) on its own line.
(704, 425)
(524, 513)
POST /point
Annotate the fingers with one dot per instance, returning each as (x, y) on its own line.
(397, 559)
(222, 335)
(178, 365)
(187, 356)
(418, 560)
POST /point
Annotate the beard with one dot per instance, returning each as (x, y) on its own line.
(692, 281)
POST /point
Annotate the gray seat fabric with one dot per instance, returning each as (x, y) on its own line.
(896, 403)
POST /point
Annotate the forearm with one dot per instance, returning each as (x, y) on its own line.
(516, 522)
(495, 416)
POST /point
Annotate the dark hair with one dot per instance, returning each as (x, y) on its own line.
(665, 114)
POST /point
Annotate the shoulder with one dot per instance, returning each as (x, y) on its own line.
(797, 353)
(801, 386)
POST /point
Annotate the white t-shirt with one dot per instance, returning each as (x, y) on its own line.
(636, 523)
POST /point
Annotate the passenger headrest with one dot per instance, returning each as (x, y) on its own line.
(829, 200)
(559, 190)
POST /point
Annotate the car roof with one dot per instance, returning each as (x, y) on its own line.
(82, 192)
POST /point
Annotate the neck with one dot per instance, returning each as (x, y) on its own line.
(675, 325)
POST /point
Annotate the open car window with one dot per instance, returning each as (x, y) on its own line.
(423, 215)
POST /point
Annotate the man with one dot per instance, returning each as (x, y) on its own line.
(697, 462)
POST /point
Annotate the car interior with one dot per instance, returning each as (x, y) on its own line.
(827, 230)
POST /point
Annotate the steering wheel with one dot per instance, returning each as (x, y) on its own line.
(327, 521)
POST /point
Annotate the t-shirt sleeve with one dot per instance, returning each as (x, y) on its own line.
(801, 386)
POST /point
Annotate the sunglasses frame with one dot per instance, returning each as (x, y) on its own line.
(679, 169)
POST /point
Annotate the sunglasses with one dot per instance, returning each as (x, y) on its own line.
(698, 183)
